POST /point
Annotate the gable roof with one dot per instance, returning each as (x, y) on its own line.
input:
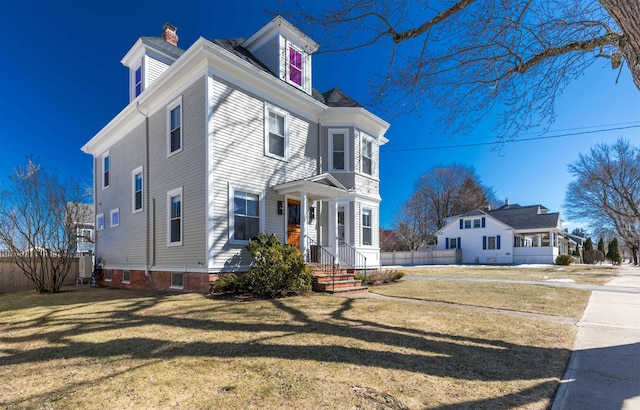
(526, 217)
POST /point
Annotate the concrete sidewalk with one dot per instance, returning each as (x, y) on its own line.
(604, 368)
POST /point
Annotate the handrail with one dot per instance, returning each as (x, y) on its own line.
(350, 256)
(322, 257)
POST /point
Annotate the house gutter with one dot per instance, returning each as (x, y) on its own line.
(145, 173)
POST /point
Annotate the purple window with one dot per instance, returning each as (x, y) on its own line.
(295, 66)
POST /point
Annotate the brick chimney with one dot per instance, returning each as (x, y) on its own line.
(169, 34)
(506, 202)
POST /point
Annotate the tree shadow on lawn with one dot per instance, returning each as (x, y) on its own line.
(412, 350)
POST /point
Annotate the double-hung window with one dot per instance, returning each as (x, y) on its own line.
(174, 127)
(246, 210)
(174, 222)
(246, 215)
(277, 133)
(367, 156)
(136, 188)
(115, 217)
(367, 227)
(296, 69)
(100, 222)
(338, 140)
(106, 170)
(491, 242)
(137, 81)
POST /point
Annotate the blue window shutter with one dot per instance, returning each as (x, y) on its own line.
(461, 224)
(459, 243)
(498, 242)
(484, 242)
(446, 243)
(483, 221)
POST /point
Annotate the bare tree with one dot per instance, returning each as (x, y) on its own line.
(39, 217)
(606, 191)
(438, 194)
(474, 58)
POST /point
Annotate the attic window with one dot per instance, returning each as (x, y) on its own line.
(138, 81)
(295, 66)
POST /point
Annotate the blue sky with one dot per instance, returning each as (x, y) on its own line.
(62, 82)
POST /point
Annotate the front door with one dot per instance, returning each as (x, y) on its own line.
(293, 223)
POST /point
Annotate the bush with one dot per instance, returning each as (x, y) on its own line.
(230, 283)
(385, 276)
(593, 256)
(564, 260)
(276, 268)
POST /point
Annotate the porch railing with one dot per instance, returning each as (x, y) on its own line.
(349, 256)
(322, 258)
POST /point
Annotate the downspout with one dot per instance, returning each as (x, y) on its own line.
(145, 187)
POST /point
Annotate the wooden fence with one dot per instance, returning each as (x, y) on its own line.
(426, 257)
(12, 278)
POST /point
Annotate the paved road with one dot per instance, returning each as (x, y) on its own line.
(604, 370)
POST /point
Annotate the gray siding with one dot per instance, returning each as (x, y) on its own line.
(124, 244)
(186, 169)
(154, 66)
(237, 156)
(268, 54)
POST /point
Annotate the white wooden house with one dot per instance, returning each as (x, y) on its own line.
(224, 140)
(511, 234)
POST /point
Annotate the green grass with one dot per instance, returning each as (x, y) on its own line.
(101, 348)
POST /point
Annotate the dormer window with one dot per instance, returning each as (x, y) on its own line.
(295, 66)
(138, 81)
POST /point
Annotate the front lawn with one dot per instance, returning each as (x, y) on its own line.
(105, 348)
(579, 274)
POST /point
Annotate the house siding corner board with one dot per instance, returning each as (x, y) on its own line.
(237, 155)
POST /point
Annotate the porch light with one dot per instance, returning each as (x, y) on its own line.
(280, 207)
(312, 213)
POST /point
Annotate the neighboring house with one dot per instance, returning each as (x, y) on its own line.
(223, 141)
(85, 229)
(511, 234)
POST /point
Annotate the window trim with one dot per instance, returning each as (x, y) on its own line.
(135, 80)
(261, 211)
(363, 226)
(345, 132)
(368, 140)
(128, 274)
(172, 194)
(114, 211)
(135, 172)
(100, 227)
(171, 285)
(106, 173)
(177, 103)
(303, 63)
(108, 275)
(268, 108)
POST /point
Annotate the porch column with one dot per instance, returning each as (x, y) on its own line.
(303, 222)
(332, 209)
